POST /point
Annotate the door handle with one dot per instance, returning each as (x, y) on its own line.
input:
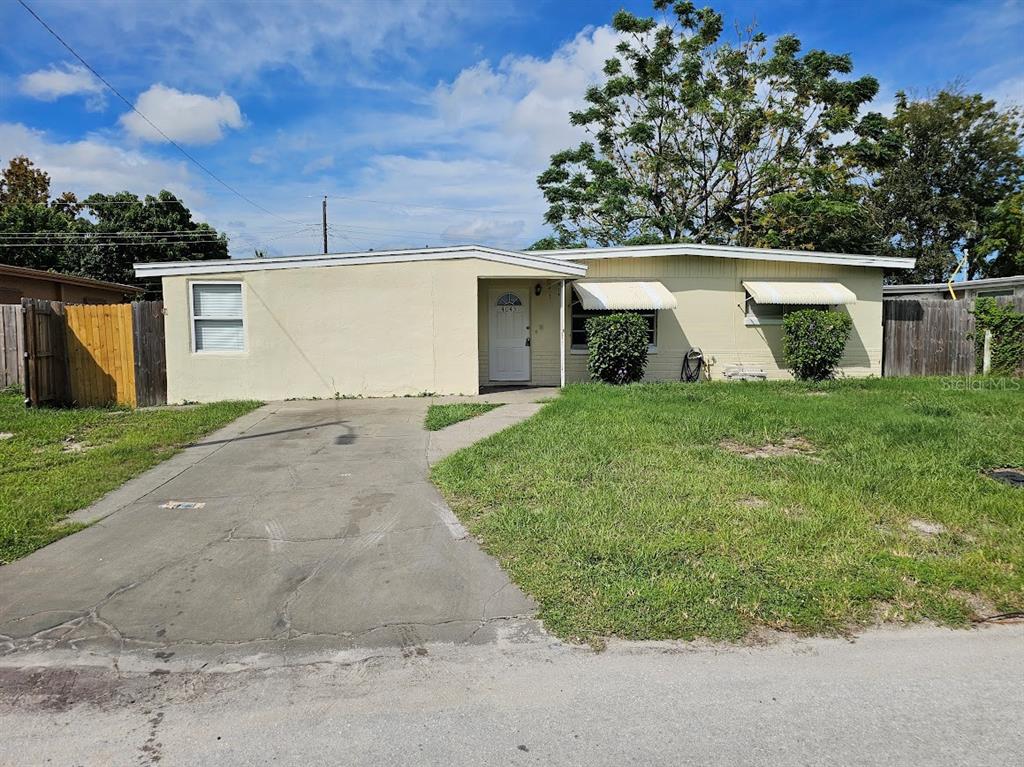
(527, 340)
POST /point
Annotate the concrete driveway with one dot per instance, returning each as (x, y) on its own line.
(320, 531)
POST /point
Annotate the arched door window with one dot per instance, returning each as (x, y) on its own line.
(509, 299)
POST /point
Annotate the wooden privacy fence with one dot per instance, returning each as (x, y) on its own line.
(12, 346)
(94, 354)
(929, 336)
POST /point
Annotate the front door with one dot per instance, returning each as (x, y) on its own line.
(509, 340)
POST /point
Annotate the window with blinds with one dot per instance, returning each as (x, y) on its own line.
(218, 324)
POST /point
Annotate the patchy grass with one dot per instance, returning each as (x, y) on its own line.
(440, 416)
(635, 512)
(58, 461)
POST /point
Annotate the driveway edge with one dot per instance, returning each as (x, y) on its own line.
(151, 479)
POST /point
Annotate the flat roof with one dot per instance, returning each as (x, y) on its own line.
(69, 279)
(731, 251)
(942, 287)
(565, 262)
(530, 259)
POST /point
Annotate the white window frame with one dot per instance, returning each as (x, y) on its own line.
(192, 318)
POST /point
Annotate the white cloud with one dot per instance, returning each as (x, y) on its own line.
(465, 171)
(64, 80)
(322, 40)
(187, 118)
(484, 230)
(318, 164)
(526, 100)
(93, 165)
(1009, 92)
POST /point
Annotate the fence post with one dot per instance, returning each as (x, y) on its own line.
(986, 363)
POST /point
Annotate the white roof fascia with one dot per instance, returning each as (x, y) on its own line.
(930, 287)
(726, 251)
(231, 266)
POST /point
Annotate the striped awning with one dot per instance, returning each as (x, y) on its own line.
(819, 293)
(617, 296)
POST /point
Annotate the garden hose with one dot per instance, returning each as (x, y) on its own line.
(693, 361)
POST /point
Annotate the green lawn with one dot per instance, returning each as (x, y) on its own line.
(631, 511)
(440, 416)
(58, 461)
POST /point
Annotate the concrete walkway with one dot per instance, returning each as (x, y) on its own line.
(320, 533)
(463, 434)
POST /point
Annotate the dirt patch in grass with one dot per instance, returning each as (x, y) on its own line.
(981, 608)
(752, 502)
(72, 445)
(926, 528)
(788, 447)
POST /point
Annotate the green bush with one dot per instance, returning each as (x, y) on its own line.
(813, 342)
(1007, 326)
(618, 347)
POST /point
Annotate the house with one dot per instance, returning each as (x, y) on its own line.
(18, 282)
(454, 319)
(994, 287)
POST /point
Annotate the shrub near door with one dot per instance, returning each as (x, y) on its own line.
(617, 345)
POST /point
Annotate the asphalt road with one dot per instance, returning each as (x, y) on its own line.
(920, 696)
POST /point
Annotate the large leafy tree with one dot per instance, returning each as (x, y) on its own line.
(950, 183)
(99, 237)
(694, 137)
(33, 230)
(1002, 243)
(162, 230)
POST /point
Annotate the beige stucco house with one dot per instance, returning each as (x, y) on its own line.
(455, 320)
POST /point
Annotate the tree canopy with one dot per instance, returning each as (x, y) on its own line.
(949, 183)
(100, 236)
(699, 135)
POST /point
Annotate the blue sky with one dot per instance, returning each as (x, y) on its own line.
(424, 122)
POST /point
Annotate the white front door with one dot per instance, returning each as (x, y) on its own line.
(509, 340)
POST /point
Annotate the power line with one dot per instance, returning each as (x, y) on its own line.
(152, 233)
(98, 244)
(153, 125)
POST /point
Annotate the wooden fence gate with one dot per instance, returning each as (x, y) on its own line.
(930, 336)
(46, 359)
(101, 354)
(12, 346)
(94, 354)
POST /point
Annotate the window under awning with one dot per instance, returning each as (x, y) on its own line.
(819, 293)
(617, 296)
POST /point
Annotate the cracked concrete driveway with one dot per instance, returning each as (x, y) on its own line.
(320, 530)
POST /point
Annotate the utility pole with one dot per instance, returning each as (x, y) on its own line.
(325, 224)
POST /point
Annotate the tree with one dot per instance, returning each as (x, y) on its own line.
(950, 185)
(32, 232)
(161, 229)
(21, 182)
(1001, 246)
(693, 137)
(115, 232)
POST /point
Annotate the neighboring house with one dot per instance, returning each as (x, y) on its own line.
(968, 290)
(453, 320)
(18, 282)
